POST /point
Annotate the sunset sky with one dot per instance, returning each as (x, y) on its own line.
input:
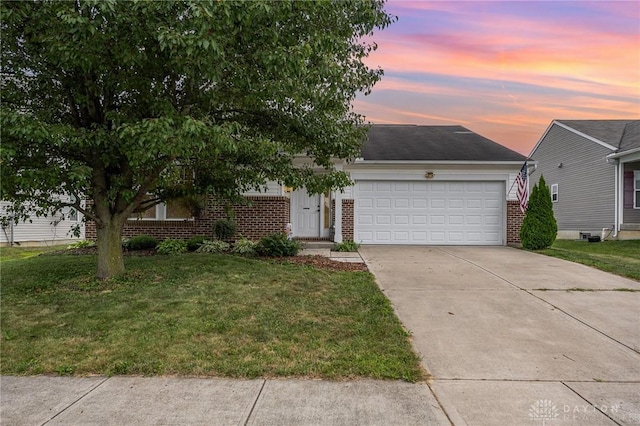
(505, 69)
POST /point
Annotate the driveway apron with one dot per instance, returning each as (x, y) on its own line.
(513, 337)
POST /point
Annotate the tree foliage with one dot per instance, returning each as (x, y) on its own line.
(111, 101)
(539, 227)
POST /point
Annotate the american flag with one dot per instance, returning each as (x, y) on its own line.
(522, 191)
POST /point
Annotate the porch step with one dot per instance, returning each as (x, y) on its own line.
(317, 244)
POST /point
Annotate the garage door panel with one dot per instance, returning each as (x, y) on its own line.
(401, 203)
(401, 219)
(438, 203)
(419, 203)
(437, 220)
(456, 203)
(418, 220)
(389, 212)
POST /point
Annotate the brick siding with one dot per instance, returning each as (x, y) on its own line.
(347, 219)
(514, 222)
(265, 214)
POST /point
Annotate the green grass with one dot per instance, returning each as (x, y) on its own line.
(17, 252)
(619, 257)
(199, 315)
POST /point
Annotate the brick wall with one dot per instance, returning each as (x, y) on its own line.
(514, 222)
(347, 219)
(265, 215)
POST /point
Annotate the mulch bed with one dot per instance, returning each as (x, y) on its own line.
(320, 262)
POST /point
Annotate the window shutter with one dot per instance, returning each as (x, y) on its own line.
(628, 190)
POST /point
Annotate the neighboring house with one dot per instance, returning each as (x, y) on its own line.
(412, 185)
(43, 230)
(593, 170)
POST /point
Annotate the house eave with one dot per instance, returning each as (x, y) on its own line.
(623, 153)
(360, 161)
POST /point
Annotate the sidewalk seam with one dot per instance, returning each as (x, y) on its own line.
(76, 401)
(529, 292)
(590, 403)
(433, 392)
(255, 402)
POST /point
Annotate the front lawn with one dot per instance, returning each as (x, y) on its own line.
(619, 257)
(17, 252)
(198, 315)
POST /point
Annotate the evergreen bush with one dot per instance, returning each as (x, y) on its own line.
(539, 227)
(142, 242)
(225, 229)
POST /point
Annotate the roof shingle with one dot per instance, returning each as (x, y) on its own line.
(404, 142)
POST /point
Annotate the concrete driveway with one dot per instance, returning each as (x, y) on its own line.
(512, 337)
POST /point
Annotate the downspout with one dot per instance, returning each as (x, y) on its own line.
(616, 201)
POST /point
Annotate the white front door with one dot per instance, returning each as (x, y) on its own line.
(305, 214)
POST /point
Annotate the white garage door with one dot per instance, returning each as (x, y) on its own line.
(398, 212)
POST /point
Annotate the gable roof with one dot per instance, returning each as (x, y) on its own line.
(607, 131)
(616, 135)
(631, 137)
(407, 142)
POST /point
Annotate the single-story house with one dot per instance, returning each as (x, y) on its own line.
(441, 185)
(593, 170)
(41, 230)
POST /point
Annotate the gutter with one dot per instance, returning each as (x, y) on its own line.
(622, 153)
(436, 162)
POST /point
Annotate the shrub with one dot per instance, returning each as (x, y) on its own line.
(81, 244)
(194, 243)
(348, 245)
(170, 246)
(225, 229)
(142, 242)
(244, 247)
(539, 227)
(278, 245)
(215, 246)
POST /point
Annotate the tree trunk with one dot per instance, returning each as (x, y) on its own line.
(110, 262)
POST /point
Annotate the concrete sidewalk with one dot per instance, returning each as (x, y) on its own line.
(46, 400)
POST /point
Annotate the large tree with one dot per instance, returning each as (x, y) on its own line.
(112, 101)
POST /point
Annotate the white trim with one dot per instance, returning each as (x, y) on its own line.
(617, 208)
(360, 161)
(624, 153)
(636, 189)
(337, 230)
(420, 175)
(544, 135)
(161, 214)
(584, 135)
(571, 129)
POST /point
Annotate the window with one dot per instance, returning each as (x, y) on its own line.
(73, 213)
(554, 192)
(636, 189)
(171, 210)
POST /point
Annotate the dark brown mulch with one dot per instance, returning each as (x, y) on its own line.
(320, 262)
(323, 262)
(94, 250)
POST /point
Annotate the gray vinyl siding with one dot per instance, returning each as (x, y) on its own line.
(585, 180)
(631, 215)
(49, 229)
